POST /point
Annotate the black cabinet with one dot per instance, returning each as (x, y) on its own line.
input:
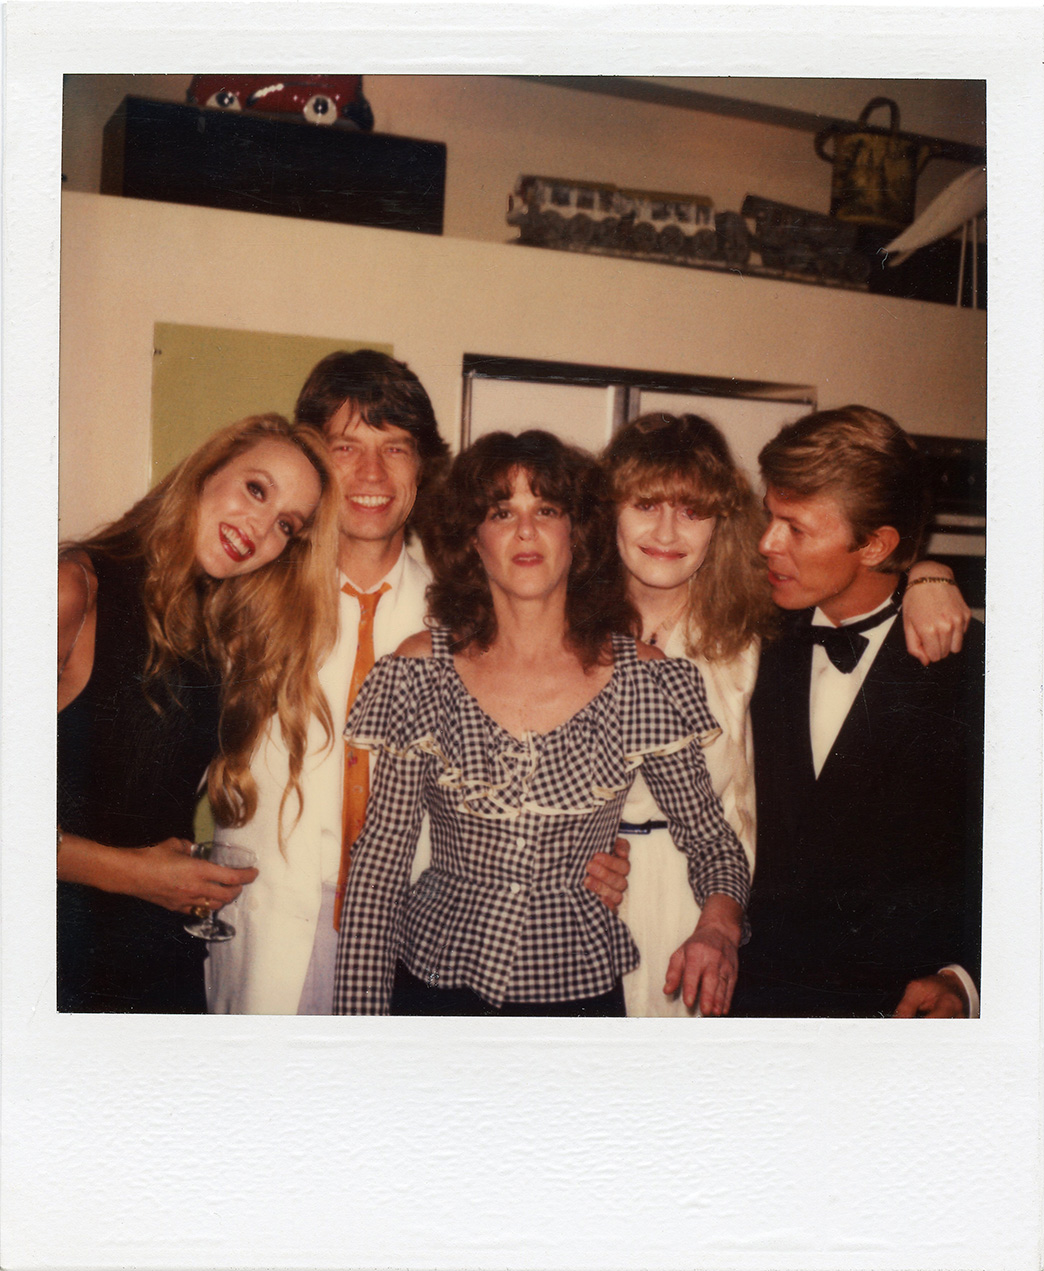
(249, 162)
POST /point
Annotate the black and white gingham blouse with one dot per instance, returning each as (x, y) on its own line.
(502, 909)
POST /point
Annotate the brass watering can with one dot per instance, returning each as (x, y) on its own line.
(874, 181)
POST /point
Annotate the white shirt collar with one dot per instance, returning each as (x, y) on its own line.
(819, 618)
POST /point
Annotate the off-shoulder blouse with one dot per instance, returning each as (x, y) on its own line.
(502, 909)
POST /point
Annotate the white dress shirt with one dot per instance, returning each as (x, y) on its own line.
(832, 692)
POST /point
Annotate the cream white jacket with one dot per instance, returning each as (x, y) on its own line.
(658, 905)
(262, 970)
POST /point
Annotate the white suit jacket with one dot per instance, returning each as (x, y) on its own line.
(262, 970)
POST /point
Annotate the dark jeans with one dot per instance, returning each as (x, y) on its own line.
(411, 996)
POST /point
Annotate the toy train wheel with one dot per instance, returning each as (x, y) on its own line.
(704, 244)
(799, 258)
(551, 228)
(672, 240)
(643, 237)
(320, 110)
(580, 230)
(529, 228)
(605, 232)
(830, 266)
(733, 239)
(858, 268)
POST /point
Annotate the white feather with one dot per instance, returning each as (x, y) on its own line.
(962, 199)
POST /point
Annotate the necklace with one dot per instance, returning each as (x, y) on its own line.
(662, 630)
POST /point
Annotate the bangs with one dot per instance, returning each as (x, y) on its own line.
(634, 481)
(553, 487)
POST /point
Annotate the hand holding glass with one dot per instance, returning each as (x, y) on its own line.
(205, 923)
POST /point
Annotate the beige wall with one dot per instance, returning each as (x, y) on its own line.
(127, 264)
(498, 127)
(949, 108)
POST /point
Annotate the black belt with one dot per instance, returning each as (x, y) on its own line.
(646, 827)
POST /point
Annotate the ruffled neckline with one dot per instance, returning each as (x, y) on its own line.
(531, 737)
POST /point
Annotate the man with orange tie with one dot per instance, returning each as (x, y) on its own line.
(385, 447)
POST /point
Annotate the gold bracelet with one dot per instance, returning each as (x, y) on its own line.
(930, 578)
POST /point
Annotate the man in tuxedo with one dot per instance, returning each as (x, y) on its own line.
(867, 893)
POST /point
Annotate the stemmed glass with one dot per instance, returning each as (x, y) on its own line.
(205, 923)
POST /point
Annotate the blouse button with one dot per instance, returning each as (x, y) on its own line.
(515, 888)
(520, 842)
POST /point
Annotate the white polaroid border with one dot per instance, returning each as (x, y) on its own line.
(336, 1143)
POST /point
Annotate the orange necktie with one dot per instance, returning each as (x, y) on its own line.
(356, 762)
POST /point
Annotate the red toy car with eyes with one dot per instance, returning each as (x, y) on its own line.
(322, 99)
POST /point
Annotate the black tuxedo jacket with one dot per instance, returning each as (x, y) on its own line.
(870, 875)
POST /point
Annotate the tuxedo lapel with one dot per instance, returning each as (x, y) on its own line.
(783, 745)
(795, 678)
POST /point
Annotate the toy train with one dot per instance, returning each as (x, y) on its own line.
(685, 229)
(579, 214)
(800, 242)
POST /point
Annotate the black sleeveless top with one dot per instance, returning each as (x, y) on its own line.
(128, 775)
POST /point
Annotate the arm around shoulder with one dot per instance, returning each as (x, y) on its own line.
(935, 616)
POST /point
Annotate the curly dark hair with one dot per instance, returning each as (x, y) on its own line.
(480, 477)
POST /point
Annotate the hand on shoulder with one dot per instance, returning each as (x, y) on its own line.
(648, 652)
(415, 646)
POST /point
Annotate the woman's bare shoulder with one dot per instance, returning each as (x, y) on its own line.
(77, 586)
(415, 646)
(648, 652)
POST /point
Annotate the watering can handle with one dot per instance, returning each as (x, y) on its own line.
(820, 143)
(823, 137)
(873, 105)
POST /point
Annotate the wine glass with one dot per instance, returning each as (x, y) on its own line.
(205, 923)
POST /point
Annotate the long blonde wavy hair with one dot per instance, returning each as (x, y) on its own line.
(684, 459)
(268, 631)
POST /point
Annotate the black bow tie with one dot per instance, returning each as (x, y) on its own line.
(845, 645)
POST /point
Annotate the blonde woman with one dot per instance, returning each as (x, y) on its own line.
(687, 530)
(183, 627)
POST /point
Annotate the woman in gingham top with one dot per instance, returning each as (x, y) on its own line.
(518, 723)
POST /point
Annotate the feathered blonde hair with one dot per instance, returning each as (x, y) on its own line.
(685, 460)
(268, 630)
